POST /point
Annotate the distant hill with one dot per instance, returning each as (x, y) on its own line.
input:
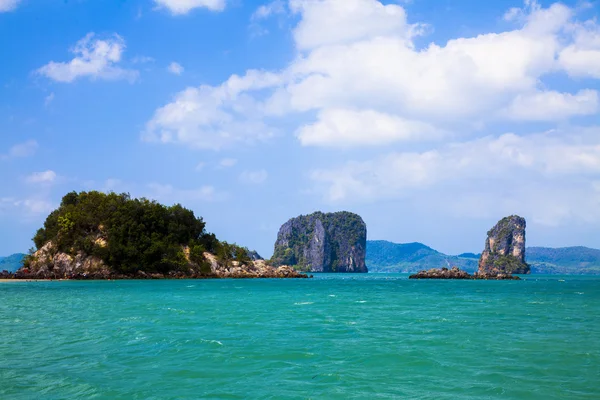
(565, 260)
(384, 256)
(469, 255)
(11, 263)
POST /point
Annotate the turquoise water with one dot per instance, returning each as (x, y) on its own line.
(333, 337)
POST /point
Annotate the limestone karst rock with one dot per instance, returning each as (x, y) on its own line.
(504, 251)
(319, 242)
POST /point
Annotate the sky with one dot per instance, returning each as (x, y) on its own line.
(432, 119)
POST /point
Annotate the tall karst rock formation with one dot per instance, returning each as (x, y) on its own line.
(334, 242)
(505, 248)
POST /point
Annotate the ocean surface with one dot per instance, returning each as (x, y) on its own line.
(372, 336)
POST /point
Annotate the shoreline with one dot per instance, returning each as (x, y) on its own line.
(7, 280)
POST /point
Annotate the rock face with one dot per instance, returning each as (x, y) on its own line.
(47, 263)
(456, 273)
(504, 251)
(334, 242)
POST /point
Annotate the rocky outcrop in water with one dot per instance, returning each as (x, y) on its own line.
(94, 235)
(442, 273)
(334, 242)
(456, 273)
(504, 251)
(46, 263)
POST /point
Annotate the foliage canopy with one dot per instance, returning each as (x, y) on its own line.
(132, 234)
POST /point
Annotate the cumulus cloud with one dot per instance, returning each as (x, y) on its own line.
(346, 128)
(213, 117)
(581, 58)
(254, 177)
(175, 68)
(357, 61)
(45, 177)
(180, 7)
(552, 105)
(94, 58)
(8, 5)
(338, 22)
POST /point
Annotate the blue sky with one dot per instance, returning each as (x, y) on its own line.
(431, 119)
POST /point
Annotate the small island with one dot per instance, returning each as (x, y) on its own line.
(504, 255)
(93, 235)
(323, 242)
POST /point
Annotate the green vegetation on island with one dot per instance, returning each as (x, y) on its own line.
(104, 235)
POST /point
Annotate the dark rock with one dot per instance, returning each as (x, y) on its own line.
(47, 263)
(334, 242)
(504, 251)
(456, 273)
(442, 273)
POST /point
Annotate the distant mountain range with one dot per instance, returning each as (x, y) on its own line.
(384, 256)
(11, 263)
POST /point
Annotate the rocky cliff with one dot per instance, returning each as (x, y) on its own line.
(319, 242)
(95, 235)
(504, 251)
(49, 263)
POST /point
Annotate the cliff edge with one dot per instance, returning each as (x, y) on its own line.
(320, 242)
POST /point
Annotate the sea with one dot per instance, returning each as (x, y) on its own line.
(371, 336)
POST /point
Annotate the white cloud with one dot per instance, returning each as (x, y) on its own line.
(553, 106)
(254, 177)
(175, 68)
(347, 128)
(179, 7)
(213, 117)
(8, 5)
(338, 22)
(227, 162)
(94, 58)
(582, 57)
(25, 149)
(267, 10)
(359, 55)
(509, 161)
(45, 177)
